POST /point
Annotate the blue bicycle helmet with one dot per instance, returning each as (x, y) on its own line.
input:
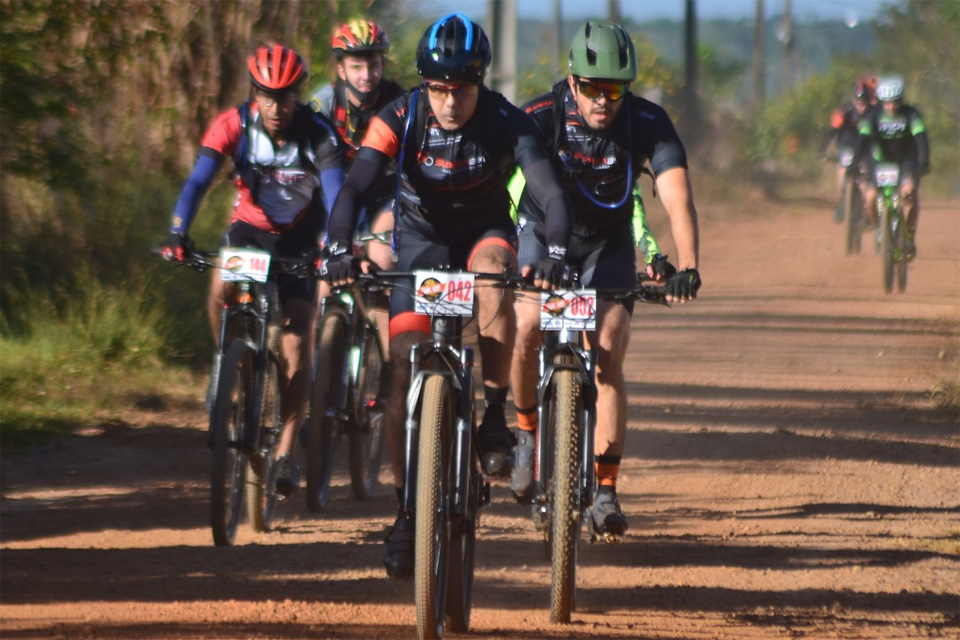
(454, 48)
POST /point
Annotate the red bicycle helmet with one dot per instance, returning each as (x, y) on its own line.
(359, 37)
(276, 68)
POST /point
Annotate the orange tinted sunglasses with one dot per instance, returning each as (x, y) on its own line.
(593, 90)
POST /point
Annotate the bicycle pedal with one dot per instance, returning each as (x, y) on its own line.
(541, 517)
(605, 538)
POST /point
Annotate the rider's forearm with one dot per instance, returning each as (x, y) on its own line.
(331, 181)
(677, 197)
(346, 209)
(923, 152)
(557, 210)
(193, 191)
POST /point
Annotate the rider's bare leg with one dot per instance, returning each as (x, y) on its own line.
(296, 352)
(610, 343)
(382, 255)
(396, 410)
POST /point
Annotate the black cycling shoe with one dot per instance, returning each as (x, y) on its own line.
(398, 559)
(288, 476)
(496, 443)
(608, 522)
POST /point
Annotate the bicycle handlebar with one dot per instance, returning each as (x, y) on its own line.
(203, 259)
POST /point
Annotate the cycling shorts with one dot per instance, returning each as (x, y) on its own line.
(417, 251)
(297, 242)
(605, 260)
(909, 172)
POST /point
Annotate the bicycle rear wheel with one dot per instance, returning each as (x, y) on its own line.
(368, 435)
(433, 489)
(463, 541)
(886, 247)
(565, 500)
(261, 493)
(324, 398)
(231, 413)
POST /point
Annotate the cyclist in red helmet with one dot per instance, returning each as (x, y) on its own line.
(845, 130)
(289, 164)
(351, 102)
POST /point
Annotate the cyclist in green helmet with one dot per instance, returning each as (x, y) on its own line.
(599, 136)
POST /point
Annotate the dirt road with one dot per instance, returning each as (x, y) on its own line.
(787, 476)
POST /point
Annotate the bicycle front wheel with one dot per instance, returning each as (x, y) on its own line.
(231, 416)
(324, 400)
(901, 253)
(368, 435)
(261, 493)
(886, 247)
(565, 499)
(432, 517)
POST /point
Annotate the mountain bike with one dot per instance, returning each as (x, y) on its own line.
(245, 418)
(566, 400)
(851, 201)
(893, 227)
(443, 483)
(349, 355)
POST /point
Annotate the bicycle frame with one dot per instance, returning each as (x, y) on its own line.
(256, 302)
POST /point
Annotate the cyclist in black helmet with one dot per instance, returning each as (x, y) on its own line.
(457, 144)
(600, 136)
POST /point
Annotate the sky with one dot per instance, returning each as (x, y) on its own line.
(851, 11)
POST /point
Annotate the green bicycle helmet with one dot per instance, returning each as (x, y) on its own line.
(603, 50)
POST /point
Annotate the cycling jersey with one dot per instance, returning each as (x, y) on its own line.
(276, 187)
(899, 138)
(453, 183)
(352, 123)
(845, 126)
(601, 166)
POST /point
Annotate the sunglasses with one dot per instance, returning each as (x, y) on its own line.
(593, 90)
(444, 91)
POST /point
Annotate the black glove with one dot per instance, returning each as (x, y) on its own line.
(177, 247)
(553, 270)
(662, 269)
(683, 285)
(340, 264)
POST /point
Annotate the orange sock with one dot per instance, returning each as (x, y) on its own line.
(527, 419)
(608, 468)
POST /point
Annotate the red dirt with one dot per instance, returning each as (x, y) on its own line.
(787, 475)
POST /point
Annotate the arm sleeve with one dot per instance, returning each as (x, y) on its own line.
(557, 209)
(343, 216)
(206, 167)
(642, 234)
(331, 182)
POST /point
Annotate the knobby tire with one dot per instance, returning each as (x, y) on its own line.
(852, 208)
(330, 363)
(901, 244)
(565, 501)
(433, 488)
(368, 435)
(886, 246)
(260, 491)
(231, 411)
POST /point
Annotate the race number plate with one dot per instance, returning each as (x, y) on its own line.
(443, 293)
(241, 264)
(564, 309)
(846, 158)
(888, 175)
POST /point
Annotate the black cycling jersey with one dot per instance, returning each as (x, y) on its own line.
(900, 138)
(454, 183)
(599, 168)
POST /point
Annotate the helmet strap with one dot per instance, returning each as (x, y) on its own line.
(366, 98)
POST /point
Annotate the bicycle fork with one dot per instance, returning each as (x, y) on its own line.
(562, 351)
(458, 503)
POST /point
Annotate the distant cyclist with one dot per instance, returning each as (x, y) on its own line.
(845, 131)
(289, 168)
(895, 133)
(457, 144)
(351, 102)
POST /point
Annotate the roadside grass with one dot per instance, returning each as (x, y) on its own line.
(80, 364)
(946, 391)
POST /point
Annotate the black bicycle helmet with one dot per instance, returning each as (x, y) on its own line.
(454, 48)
